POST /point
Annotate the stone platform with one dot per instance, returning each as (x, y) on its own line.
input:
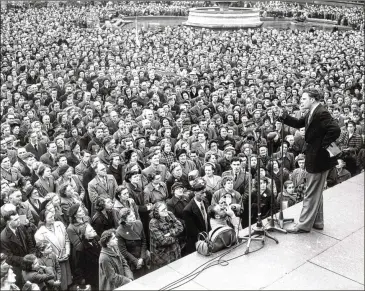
(332, 258)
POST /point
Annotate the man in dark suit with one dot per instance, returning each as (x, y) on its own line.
(35, 147)
(16, 242)
(240, 177)
(320, 131)
(49, 158)
(195, 215)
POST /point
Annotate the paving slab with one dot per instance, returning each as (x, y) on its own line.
(345, 258)
(329, 259)
(312, 277)
(358, 179)
(158, 279)
(261, 268)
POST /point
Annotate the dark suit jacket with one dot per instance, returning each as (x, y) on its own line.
(16, 249)
(42, 149)
(46, 159)
(319, 134)
(194, 224)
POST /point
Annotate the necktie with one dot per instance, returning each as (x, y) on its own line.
(235, 176)
(36, 147)
(204, 215)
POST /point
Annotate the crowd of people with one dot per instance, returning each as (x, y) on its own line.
(344, 15)
(119, 147)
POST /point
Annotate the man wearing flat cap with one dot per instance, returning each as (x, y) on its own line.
(195, 214)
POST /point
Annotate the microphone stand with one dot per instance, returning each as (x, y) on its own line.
(249, 239)
(281, 219)
(259, 230)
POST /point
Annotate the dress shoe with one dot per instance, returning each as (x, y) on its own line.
(319, 227)
(296, 230)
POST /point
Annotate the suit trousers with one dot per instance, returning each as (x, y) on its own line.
(312, 211)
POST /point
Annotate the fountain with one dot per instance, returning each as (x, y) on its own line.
(224, 16)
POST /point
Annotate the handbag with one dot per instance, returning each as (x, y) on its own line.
(218, 239)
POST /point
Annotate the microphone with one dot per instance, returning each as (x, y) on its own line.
(271, 135)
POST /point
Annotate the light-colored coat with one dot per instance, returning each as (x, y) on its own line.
(213, 184)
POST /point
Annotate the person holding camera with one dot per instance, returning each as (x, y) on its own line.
(222, 215)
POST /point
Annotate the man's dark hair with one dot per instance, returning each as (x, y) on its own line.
(351, 122)
(313, 94)
(7, 214)
(235, 159)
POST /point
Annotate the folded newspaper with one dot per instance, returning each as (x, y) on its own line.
(333, 149)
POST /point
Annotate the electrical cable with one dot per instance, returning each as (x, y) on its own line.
(212, 263)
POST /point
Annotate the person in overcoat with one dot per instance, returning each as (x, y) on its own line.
(132, 243)
(113, 267)
(33, 202)
(88, 257)
(103, 185)
(15, 247)
(213, 182)
(78, 221)
(135, 183)
(45, 184)
(122, 200)
(103, 218)
(67, 177)
(195, 215)
(321, 131)
(165, 229)
(55, 232)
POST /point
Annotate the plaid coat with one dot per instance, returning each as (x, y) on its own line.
(165, 249)
(354, 142)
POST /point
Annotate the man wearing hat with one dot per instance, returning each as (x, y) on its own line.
(195, 214)
(228, 153)
(186, 164)
(179, 200)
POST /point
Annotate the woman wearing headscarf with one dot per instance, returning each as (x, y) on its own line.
(164, 231)
(132, 243)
